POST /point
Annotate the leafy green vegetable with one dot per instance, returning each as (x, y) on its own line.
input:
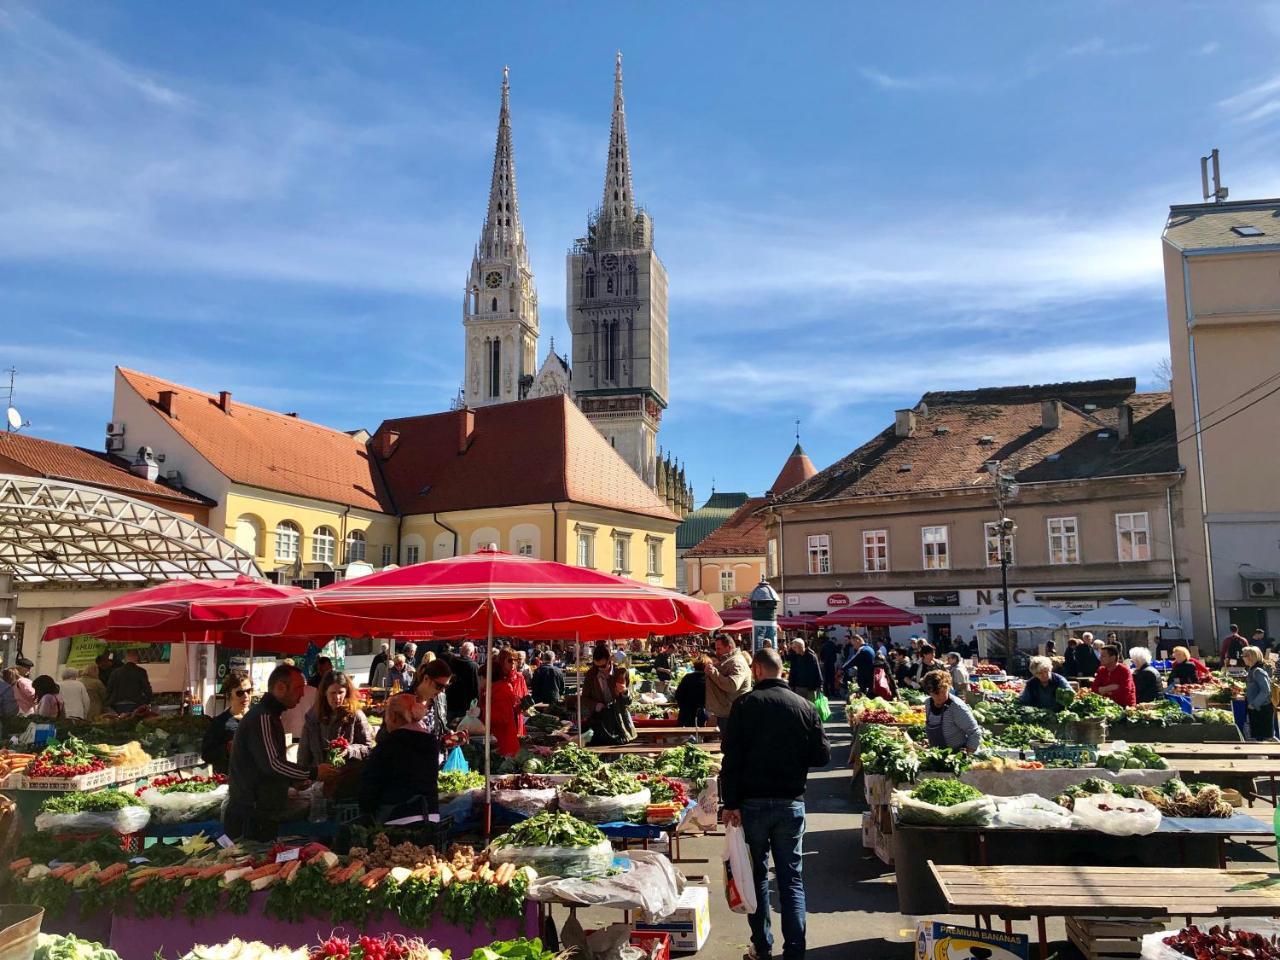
(1024, 735)
(606, 782)
(945, 793)
(94, 801)
(460, 782)
(520, 949)
(944, 760)
(688, 763)
(570, 759)
(551, 830)
(56, 947)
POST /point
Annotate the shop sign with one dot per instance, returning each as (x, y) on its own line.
(793, 600)
(1077, 606)
(989, 598)
(838, 600)
(937, 598)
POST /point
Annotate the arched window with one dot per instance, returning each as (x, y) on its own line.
(322, 541)
(611, 351)
(356, 546)
(589, 284)
(249, 535)
(288, 539)
(493, 307)
(608, 285)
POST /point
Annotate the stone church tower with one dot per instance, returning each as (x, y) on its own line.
(617, 313)
(500, 311)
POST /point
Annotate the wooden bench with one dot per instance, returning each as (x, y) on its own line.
(1039, 892)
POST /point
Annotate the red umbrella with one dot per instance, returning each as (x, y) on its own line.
(742, 626)
(739, 611)
(870, 612)
(802, 621)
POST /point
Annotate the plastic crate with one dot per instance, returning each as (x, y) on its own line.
(346, 812)
(646, 939)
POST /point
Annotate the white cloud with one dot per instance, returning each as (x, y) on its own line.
(1254, 103)
(1100, 47)
(1208, 49)
(888, 81)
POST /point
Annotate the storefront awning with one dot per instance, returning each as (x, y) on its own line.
(1111, 591)
(53, 531)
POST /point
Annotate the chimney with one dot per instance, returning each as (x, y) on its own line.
(904, 423)
(1051, 414)
(466, 429)
(387, 442)
(1124, 422)
(224, 401)
(165, 403)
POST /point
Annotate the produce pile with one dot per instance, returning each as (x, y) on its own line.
(943, 760)
(12, 762)
(1223, 942)
(985, 669)
(375, 948)
(461, 888)
(171, 783)
(51, 946)
(945, 793)
(879, 710)
(635, 763)
(569, 759)
(1136, 757)
(523, 781)
(55, 947)
(1092, 787)
(889, 753)
(605, 782)
(1024, 735)
(555, 844)
(89, 801)
(551, 830)
(1173, 798)
(158, 736)
(453, 783)
(237, 949)
(68, 758)
(1005, 763)
(688, 763)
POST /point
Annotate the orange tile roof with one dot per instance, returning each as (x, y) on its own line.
(60, 461)
(957, 432)
(262, 448)
(531, 451)
(795, 471)
(743, 534)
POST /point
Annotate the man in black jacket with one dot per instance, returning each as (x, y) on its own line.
(259, 776)
(465, 687)
(805, 674)
(547, 685)
(771, 740)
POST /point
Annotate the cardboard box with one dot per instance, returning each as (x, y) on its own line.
(690, 925)
(946, 941)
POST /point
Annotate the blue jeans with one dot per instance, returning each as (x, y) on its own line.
(777, 826)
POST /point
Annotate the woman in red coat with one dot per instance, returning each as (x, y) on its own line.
(509, 689)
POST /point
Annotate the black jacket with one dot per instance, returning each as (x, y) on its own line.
(373, 667)
(690, 697)
(259, 776)
(1147, 684)
(1087, 661)
(215, 748)
(771, 739)
(129, 683)
(547, 685)
(404, 765)
(465, 686)
(805, 671)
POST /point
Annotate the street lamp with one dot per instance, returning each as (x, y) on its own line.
(764, 614)
(1005, 489)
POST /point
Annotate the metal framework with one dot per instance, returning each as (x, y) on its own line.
(52, 531)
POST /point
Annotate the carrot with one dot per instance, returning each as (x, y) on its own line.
(63, 871)
(138, 884)
(290, 868)
(112, 872)
(348, 872)
(270, 870)
(208, 873)
(82, 871)
(22, 864)
(374, 877)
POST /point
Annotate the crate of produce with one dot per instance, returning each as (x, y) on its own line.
(651, 722)
(86, 781)
(655, 943)
(1086, 753)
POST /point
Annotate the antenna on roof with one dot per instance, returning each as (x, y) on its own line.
(13, 419)
(797, 429)
(1219, 191)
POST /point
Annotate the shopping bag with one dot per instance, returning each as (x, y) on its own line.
(456, 762)
(739, 884)
(823, 706)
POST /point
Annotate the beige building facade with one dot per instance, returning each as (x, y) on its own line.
(1222, 284)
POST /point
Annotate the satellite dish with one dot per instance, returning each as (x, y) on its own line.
(15, 419)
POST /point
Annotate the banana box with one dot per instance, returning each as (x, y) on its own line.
(946, 941)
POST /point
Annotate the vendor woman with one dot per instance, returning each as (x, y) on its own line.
(1186, 669)
(947, 719)
(1042, 689)
(336, 714)
(215, 749)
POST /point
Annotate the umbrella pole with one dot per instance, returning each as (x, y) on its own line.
(488, 725)
(577, 670)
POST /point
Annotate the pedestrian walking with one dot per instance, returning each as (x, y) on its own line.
(728, 678)
(771, 740)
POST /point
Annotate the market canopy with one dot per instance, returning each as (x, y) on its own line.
(1119, 615)
(1024, 616)
(870, 612)
(53, 531)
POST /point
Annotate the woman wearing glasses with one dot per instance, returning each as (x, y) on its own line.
(237, 690)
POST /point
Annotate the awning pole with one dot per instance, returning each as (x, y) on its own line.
(577, 670)
(488, 724)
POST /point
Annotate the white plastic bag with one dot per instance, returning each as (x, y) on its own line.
(976, 813)
(1154, 947)
(525, 802)
(472, 723)
(1032, 810)
(179, 807)
(558, 861)
(628, 808)
(1122, 818)
(129, 819)
(739, 882)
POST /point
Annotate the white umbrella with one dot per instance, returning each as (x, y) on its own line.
(1119, 615)
(1023, 616)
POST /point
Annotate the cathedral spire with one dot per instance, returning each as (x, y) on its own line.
(503, 234)
(618, 210)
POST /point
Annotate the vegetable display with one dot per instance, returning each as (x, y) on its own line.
(175, 784)
(945, 793)
(52, 946)
(94, 801)
(569, 759)
(454, 782)
(688, 763)
(605, 782)
(554, 844)
(1136, 757)
(635, 763)
(1173, 798)
(944, 760)
(550, 830)
(238, 949)
(888, 753)
(519, 949)
(1090, 787)
(376, 948)
(1223, 942)
(523, 781)
(68, 758)
(1023, 735)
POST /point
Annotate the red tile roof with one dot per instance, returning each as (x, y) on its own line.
(531, 451)
(957, 432)
(795, 471)
(262, 448)
(35, 456)
(743, 534)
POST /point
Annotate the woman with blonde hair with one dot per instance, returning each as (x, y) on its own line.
(1186, 669)
(1257, 695)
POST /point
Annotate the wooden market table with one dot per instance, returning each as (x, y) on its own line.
(1179, 842)
(678, 734)
(1039, 892)
(1218, 750)
(1239, 774)
(648, 748)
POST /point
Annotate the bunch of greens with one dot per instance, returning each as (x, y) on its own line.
(550, 830)
(688, 763)
(888, 754)
(1064, 697)
(1090, 706)
(1137, 757)
(945, 793)
(455, 782)
(1022, 735)
(944, 760)
(569, 759)
(635, 763)
(520, 949)
(606, 782)
(1213, 716)
(1092, 786)
(1009, 711)
(57, 947)
(94, 801)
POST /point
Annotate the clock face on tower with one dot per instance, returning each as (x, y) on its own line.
(492, 279)
(609, 261)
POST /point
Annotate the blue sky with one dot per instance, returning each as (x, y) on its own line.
(855, 203)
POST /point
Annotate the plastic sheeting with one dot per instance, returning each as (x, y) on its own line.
(652, 885)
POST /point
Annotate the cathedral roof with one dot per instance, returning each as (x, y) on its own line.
(510, 454)
(743, 534)
(698, 525)
(796, 470)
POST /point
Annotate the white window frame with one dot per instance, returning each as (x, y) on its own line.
(323, 545)
(586, 547)
(875, 551)
(771, 557)
(653, 556)
(412, 554)
(1133, 537)
(819, 550)
(732, 576)
(524, 548)
(991, 540)
(357, 546)
(621, 553)
(288, 541)
(388, 554)
(1060, 538)
(935, 558)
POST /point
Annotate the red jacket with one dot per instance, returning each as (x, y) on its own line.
(1124, 695)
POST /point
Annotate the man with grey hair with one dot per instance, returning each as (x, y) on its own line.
(129, 686)
(771, 740)
(1088, 659)
(465, 687)
(75, 697)
(804, 671)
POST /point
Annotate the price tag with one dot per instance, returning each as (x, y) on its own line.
(225, 842)
(284, 856)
